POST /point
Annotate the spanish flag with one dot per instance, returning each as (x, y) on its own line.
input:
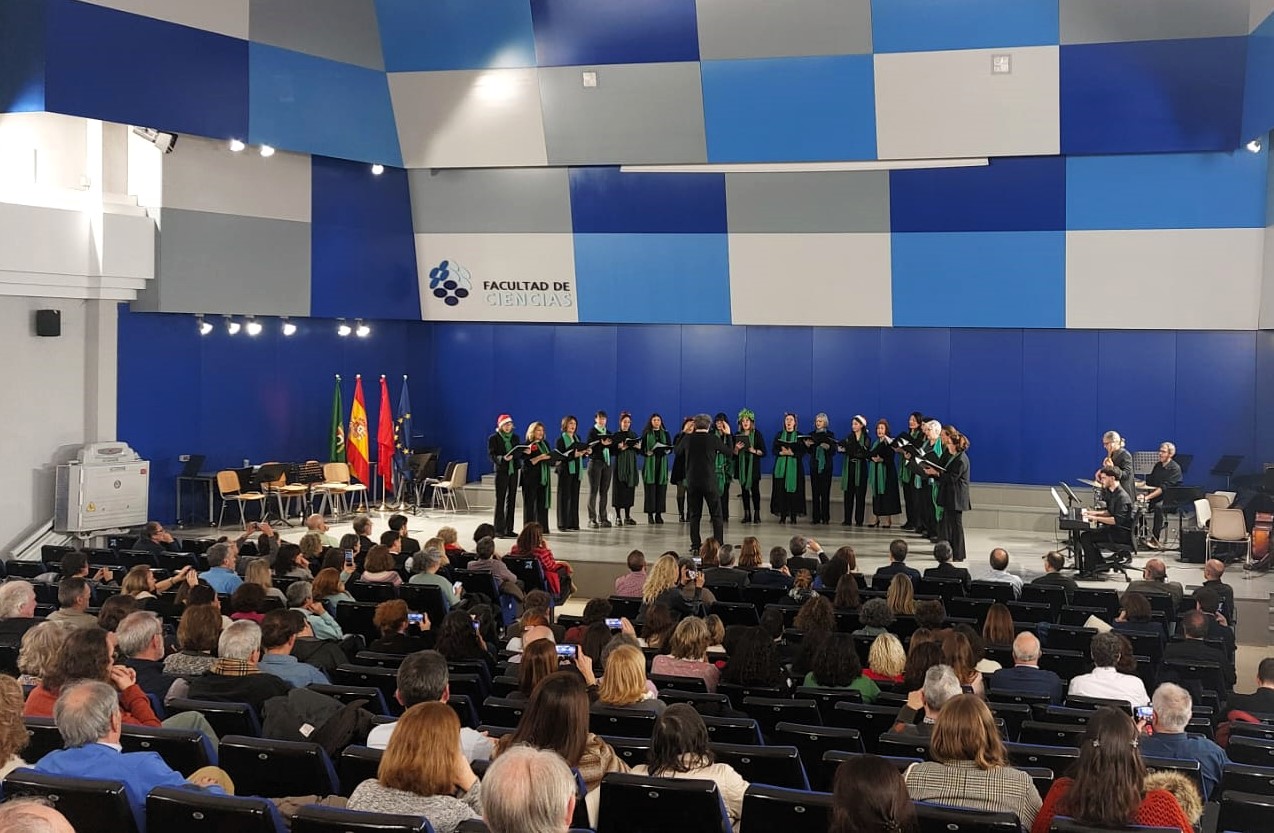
(356, 438)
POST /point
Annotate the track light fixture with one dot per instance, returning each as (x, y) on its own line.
(343, 329)
(253, 326)
(204, 326)
(267, 151)
(233, 327)
(289, 329)
(237, 145)
(362, 330)
(378, 169)
(1255, 145)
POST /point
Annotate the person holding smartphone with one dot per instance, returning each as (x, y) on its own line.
(689, 597)
(428, 562)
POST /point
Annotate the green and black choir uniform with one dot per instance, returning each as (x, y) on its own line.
(882, 481)
(787, 487)
(537, 485)
(624, 490)
(568, 475)
(911, 475)
(725, 470)
(853, 477)
(654, 473)
(748, 467)
(822, 455)
(599, 474)
(677, 476)
(500, 445)
(927, 495)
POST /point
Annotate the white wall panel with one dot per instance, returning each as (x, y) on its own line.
(1164, 279)
(948, 104)
(469, 119)
(204, 175)
(229, 17)
(41, 149)
(512, 277)
(811, 279)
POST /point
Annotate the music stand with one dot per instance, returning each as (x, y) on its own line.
(1071, 498)
(1226, 467)
(1175, 498)
(269, 473)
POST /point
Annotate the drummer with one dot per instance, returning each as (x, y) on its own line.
(1165, 474)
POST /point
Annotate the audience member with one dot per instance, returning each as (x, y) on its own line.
(901, 597)
(886, 659)
(999, 561)
(1173, 708)
(114, 609)
(140, 640)
(140, 583)
(301, 597)
(679, 748)
(595, 610)
(688, 654)
(75, 565)
(329, 588)
(725, 573)
(74, 596)
(897, 557)
(630, 584)
(754, 662)
(279, 630)
(657, 627)
(17, 611)
(842, 563)
(1208, 601)
(940, 685)
(623, 686)
(32, 815)
(247, 602)
(539, 659)
(1213, 569)
(836, 665)
(258, 573)
(529, 790)
(805, 554)
(777, 575)
(197, 635)
(920, 658)
(997, 630)
(869, 795)
(221, 575)
(1260, 701)
(1192, 648)
(317, 524)
(957, 651)
(1136, 617)
(39, 647)
(457, 639)
(978, 646)
(235, 676)
(1054, 563)
(1105, 680)
(87, 654)
(946, 569)
(423, 678)
(970, 766)
(847, 593)
(1026, 675)
(13, 732)
(391, 620)
(410, 546)
(363, 529)
(379, 568)
(1154, 580)
(716, 634)
(557, 574)
(1106, 787)
(875, 618)
(487, 562)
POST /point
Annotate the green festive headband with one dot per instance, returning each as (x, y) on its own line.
(747, 413)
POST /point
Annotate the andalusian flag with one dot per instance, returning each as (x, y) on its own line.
(356, 439)
(336, 453)
(385, 437)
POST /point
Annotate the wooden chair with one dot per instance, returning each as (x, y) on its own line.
(338, 487)
(231, 491)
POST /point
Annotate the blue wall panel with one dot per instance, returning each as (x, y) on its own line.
(521, 351)
(790, 109)
(1152, 96)
(1215, 403)
(649, 373)
(636, 278)
(915, 372)
(780, 376)
(847, 375)
(126, 68)
(1258, 94)
(325, 107)
(1059, 436)
(363, 251)
(1264, 397)
(1012, 194)
(605, 200)
(713, 370)
(989, 404)
(582, 373)
(569, 32)
(455, 34)
(22, 34)
(986, 279)
(1166, 191)
(934, 25)
(1136, 387)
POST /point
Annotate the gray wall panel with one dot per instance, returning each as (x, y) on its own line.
(490, 200)
(778, 28)
(343, 30)
(1108, 21)
(637, 113)
(808, 202)
(220, 263)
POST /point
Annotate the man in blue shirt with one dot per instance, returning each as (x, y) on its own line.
(220, 575)
(1026, 676)
(1173, 709)
(88, 719)
(279, 630)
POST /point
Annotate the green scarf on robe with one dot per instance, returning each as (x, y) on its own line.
(508, 446)
(856, 464)
(936, 451)
(722, 464)
(626, 463)
(655, 471)
(546, 472)
(876, 476)
(787, 468)
(747, 460)
(573, 465)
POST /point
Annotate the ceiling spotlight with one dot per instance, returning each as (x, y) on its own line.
(378, 169)
(267, 151)
(254, 326)
(237, 145)
(1254, 145)
(164, 141)
(343, 329)
(289, 329)
(204, 326)
(362, 330)
(233, 327)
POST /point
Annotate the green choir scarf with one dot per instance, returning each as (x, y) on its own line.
(747, 460)
(876, 476)
(916, 442)
(820, 458)
(786, 467)
(936, 450)
(722, 464)
(845, 481)
(605, 451)
(655, 471)
(573, 466)
(546, 473)
(626, 464)
(508, 446)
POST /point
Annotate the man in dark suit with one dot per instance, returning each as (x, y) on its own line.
(1209, 602)
(1194, 627)
(806, 554)
(722, 572)
(700, 449)
(897, 555)
(1262, 700)
(945, 569)
(1213, 569)
(1054, 562)
(777, 576)
(1026, 674)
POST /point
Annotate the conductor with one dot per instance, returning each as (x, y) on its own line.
(700, 448)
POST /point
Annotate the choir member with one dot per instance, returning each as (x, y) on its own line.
(678, 475)
(882, 477)
(853, 477)
(501, 448)
(822, 450)
(749, 448)
(537, 477)
(626, 477)
(953, 489)
(932, 450)
(910, 472)
(787, 489)
(570, 459)
(655, 444)
(601, 445)
(725, 463)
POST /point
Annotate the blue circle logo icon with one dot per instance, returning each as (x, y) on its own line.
(450, 282)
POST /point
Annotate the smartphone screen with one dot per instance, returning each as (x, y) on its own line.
(457, 587)
(416, 618)
(692, 574)
(614, 624)
(566, 651)
(477, 626)
(349, 556)
(1145, 712)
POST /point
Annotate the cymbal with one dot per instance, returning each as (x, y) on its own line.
(1093, 483)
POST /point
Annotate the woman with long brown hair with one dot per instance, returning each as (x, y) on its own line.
(997, 630)
(557, 574)
(870, 796)
(957, 652)
(970, 765)
(847, 593)
(1107, 787)
(901, 597)
(750, 554)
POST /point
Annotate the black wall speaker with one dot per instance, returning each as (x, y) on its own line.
(48, 322)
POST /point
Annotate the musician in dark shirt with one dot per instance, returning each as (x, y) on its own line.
(1166, 473)
(700, 449)
(1114, 522)
(1120, 459)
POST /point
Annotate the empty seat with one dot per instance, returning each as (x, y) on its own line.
(1069, 638)
(1013, 715)
(195, 811)
(347, 694)
(1064, 663)
(1248, 779)
(870, 721)
(997, 591)
(225, 718)
(1253, 751)
(779, 766)
(704, 703)
(667, 682)
(500, 712)
(1245, 812)
(814, 742)
(736, 613)
(1051, 734)
(898, 745)
(626, 723)
(1028, 698)
(768, 808)
(1052, 595)
(379, 660)
(42, 737)
(934, 818)
(185, 750)
(768, 712)
(736, 692)
(1030, 612)
(1057, 758)
(357, 617)
(275, 768)
(1080, 702)
(827, 698)
(732, 729)
(1107, 600)
(644, 804)
(632, 751)
(89, 804)
(316, 819)
(370, 676)
(356, 765)
(1065, 825)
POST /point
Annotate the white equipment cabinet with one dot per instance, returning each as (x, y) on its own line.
(108, 487)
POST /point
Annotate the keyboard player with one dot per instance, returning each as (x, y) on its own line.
(1113, 523)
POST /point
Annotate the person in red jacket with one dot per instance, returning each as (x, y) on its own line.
(88, 654)
(557, 574)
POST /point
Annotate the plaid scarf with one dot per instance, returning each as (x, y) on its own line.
(234, 668)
